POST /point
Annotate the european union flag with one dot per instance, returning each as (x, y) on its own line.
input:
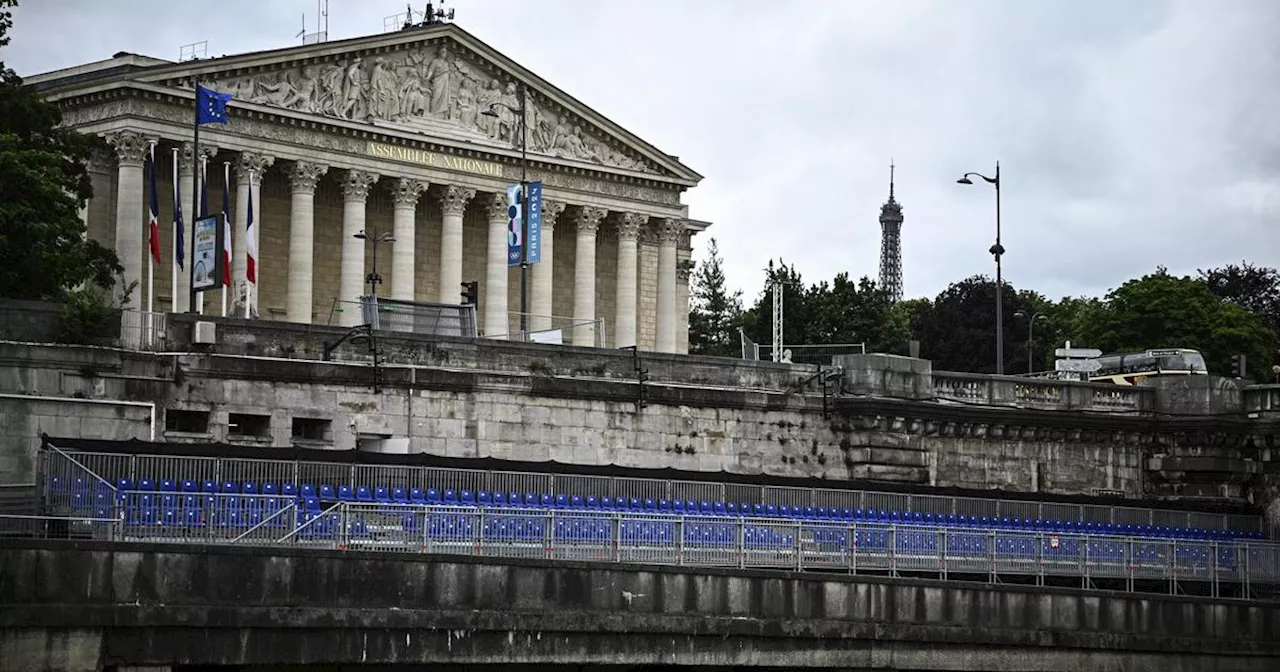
(211, 106)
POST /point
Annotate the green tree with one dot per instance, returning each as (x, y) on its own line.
(716, 312)
(1163, 310)
(957, 331)
(898, 331)
(44, 181)
(851, 312)
(1248, 286)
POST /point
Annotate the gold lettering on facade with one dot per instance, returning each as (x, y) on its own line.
(425, 158)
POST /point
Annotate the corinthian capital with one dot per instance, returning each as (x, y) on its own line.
(454, 199)
(249, 166)
(588, 219)
(628, 225)
(669, 231)
(550, 213)
(304, 175)
(405, 191)
(356, 184)
(130, 147)
(495, 206)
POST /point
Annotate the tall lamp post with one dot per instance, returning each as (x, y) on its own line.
(1031, 330)
(524, 204)
(997, 251)
(377, 238)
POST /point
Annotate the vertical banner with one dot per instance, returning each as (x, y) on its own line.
(534, 203)
(206, 271)
(513, 225)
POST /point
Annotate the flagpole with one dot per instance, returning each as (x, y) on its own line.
(151, 262)
(173, 271)
(226, 182)
(195, 170)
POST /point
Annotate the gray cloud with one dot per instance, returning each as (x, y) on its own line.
(1130, 134)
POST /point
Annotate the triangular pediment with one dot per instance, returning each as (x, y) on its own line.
(436, 81)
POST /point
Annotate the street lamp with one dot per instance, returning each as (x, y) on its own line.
(524, 205)
(373, 277)
(997, 251)
(1031, 330)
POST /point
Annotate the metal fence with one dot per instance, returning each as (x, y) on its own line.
(142, 330)
(110, 467)
(1236, 568)
(558, 329)
(822, 354)
(416, 317)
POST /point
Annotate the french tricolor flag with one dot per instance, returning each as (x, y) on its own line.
(226, 226)
(153, 212)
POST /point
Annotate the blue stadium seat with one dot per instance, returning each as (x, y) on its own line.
(530, 500)
(364, 494)
(433, 496)
(327, 492)
(208, 485)
(307, 490)
(606, 503)
(346, 493)
(483, 498)
(270, 488)
(592, 502)
(399, 496)
(500, 498)
(416, 496)
(289, 490)
(575, 502)
(249, 488)
(450, 498)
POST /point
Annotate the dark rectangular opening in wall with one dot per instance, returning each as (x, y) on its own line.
(245, 424)
(191, 422)
(312, 429)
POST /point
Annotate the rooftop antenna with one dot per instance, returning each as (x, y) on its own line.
(194, 51)
(303, 32)
(322, 31)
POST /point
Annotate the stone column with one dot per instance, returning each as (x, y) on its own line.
(185, 180)
(355, 194)
(248, 168)
(540, 303)
(302, 186)
(404, 194)
(682, 307)
(624, 324)
(587, 221)
(453, 202)
(130, 149)
(495, 265)
(668, 234)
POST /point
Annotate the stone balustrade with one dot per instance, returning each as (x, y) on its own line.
(1040, 394)
(1263, 399)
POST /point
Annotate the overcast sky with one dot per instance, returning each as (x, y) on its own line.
(1129, 133)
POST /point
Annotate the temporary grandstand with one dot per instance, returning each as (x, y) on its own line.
(218, 494)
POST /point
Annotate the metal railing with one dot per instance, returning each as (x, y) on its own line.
(416, 317)
(108, 468)
(1236, 568)
(557, 329)
(142, 330)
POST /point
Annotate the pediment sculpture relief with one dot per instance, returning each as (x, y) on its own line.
(428, 90)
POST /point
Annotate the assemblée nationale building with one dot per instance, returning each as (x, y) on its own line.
(388, 133)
